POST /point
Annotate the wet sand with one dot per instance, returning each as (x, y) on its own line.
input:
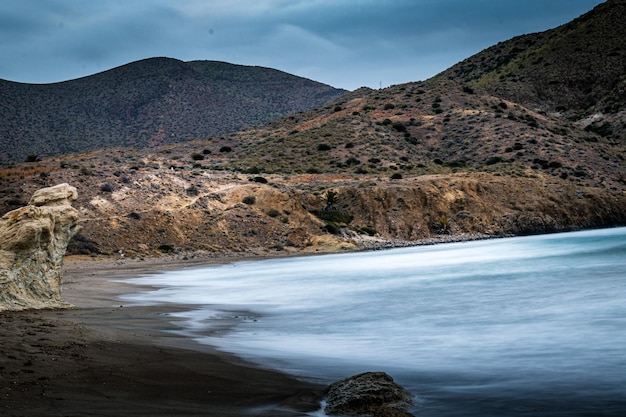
(104, 359)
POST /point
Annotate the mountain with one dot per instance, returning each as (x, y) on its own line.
(147, 103)
(457, 156)
(577, 70)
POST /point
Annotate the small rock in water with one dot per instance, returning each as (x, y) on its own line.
(369, 393)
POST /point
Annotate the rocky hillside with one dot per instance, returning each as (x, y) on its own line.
(448, 158)
(577, 70)
(146, 104)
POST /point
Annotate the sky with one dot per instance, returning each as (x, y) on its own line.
(344, 43)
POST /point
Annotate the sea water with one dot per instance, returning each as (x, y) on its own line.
(522, 326)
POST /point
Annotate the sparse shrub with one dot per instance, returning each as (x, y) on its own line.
(192, 191)
(494, 160)
(332, 229)
(400, 127)
(468, 89)
(386, 122)
(368, 231)
(197, 157)
(134, 216)
(331, 199)
(312, 170)
(437, 161)
(389, 106)
(441, 226)
(249, 199)
(337, 108)
(166, 248)
(206, 152)
(81, 245)
(226, 149)
(323, 147)
(352, 161)
(106, 188)
(396, 176)
(455, 164)
(32, 158)
(349, 145)
(374, 161)
(261, 180)
(273, 213)
(604, 129)
(334, 216)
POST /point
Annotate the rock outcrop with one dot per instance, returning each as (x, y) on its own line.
(370, 393)
(33, 240)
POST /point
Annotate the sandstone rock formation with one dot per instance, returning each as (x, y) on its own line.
(33, 240)
(370, 393)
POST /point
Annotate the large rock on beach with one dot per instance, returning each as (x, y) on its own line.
(368, 394)
(33, 240)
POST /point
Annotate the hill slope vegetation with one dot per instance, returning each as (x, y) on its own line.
(146, 104)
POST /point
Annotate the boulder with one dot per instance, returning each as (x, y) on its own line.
(370, 393)
(33, 240)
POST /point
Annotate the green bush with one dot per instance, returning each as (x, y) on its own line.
(400, 127)
(106, 188)
(166, 248)
(249, 199)
(332, 229)
(334, 216)
(273, 213)
(368, 231)
(494, 160)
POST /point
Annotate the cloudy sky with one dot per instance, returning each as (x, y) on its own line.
(344, 43)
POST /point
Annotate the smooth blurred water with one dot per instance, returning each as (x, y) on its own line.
(507, 327)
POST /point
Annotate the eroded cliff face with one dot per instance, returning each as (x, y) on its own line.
(33, 241)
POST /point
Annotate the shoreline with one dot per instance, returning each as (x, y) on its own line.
(101, 358)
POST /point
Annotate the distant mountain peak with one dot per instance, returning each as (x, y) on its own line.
(146, 103)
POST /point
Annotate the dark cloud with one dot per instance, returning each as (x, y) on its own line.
(339, 42)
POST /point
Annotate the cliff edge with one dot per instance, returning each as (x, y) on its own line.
(33, 240)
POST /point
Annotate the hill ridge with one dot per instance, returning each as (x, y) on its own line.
(147, 103)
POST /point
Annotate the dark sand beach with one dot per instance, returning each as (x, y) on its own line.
(104, 359)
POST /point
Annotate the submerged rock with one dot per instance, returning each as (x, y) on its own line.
(370, 393)
(33, 240)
